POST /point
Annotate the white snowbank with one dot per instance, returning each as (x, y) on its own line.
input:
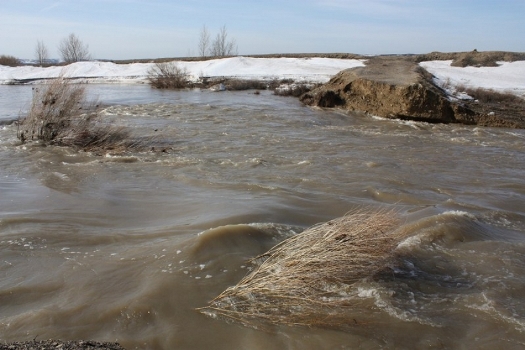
(507, 77)
(300, 69)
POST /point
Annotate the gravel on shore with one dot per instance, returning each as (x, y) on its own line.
(60, 345)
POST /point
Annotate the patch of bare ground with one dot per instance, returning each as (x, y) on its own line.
(495, 108)
(473, 58)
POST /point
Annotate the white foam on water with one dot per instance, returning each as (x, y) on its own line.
(409, 242)
(495, 310)
(459, 213)
(408, 315)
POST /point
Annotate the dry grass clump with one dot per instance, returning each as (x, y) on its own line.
(491, 96)
(60, 115)
(167, 75)
(245, 84)
(10, 61)
(293, 89)
(307, 279)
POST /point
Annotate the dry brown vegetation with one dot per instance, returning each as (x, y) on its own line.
(282, 87)
(61, 115)
(241, 84)
(496, 109)
(10, 61)
(72, 49)
(307, 279)
(472, 58)
(490, 96)
(168, 75)
(293, 89)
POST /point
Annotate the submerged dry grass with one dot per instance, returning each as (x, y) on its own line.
(61, 115)
(306, 279)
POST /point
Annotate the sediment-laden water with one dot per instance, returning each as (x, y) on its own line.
(125, 247)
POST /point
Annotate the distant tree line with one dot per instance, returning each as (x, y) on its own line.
(72, 49)
(10, 61)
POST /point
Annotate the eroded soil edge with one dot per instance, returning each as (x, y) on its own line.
(397, 87)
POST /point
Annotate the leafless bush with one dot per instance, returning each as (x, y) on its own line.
(221, 47)
(307, 279)
(10, 61)
(204, 42)
(41, 53)
(72, 49)
(60, 115)
(167, 75)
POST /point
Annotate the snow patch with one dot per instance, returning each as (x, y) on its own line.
(507, 77)
(317, 70)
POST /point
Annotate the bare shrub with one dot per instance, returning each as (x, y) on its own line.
(72, 49)
(254, 84)
(167, 75)
(41, 53)
(10, 61)
(221, 46)
(307, 279)
(204, 42)
(60, 115)
(294, 90)
(241, 84)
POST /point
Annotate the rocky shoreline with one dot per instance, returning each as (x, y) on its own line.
(397, 87)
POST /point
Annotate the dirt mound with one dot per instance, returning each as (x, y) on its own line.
(486, 59)
(397, 87)
(390, 87)
(473, 58)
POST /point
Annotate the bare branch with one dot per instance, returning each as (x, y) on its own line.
(61, 115)
(41, 53)
(73, 50)
(167, 75)
(221, 46)
(204, 42)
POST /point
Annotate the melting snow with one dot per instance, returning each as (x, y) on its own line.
(302, 69)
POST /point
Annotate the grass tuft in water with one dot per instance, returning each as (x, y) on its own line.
(306, 279)
(61, 115)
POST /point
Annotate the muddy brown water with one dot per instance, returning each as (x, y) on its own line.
(125, 247)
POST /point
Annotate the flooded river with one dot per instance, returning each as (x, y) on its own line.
(126, 247)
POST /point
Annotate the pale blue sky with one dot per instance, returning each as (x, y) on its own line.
(122, 29)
